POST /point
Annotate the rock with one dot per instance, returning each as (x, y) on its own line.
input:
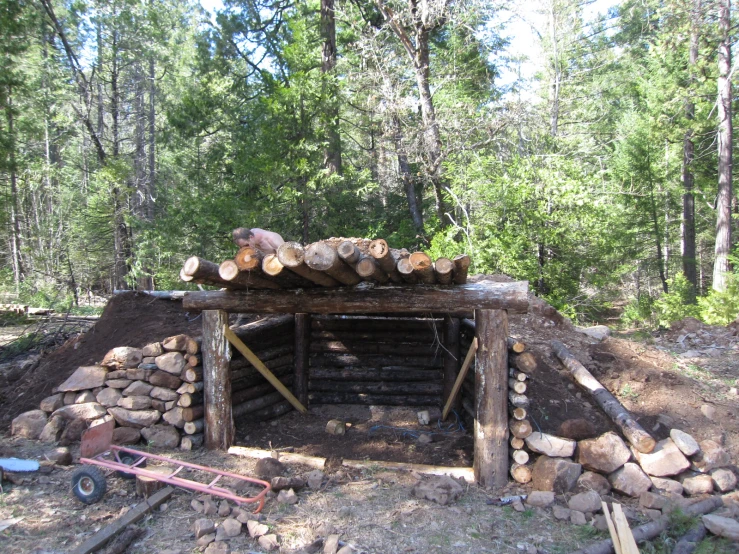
(279, 483)
(315, 479)
(268, 542)
(138, 388)
(687, 444)
(198, 507)
(267, 468)
(123, 357)
(85, 377)
(135, 418)
(694, 484)
(136, 374)
(84, 397)
(652, 501)
(540, 499)
(166, 395)
(109, 397)
(652, 514)
(590, 481)
(69, 398)
(600, 523)
(722, 526)
(231, 527)
(424, 418)
(162, 436)
(52, 403)
(664, 461)
(554, 447)
(53, 429)
(630, 480)
(135, 402)
(691, 354)
(256, 529)
(287, 496)
(555, 474)
(585, 502)
(126, 435)
(560, 512)
(29, 425)
(577, 518)
(576, 429)
(331, 544)
(346, 549)
(667, 485)
(116, 374)
(441, 489)
(708, 411)
(425, 438)
(60, 456)
(73, 432)
(711, 456)
(224, 510)
(724, 479)
(604, 454)
(597, 332)
(209, 507)
(205, 540)
(118, 383)
(171, 362)
(218, 547)
(152, 350)
(164, 379)
(87, 411)
(518, 506)
(203, 526)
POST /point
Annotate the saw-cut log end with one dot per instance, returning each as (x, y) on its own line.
(228, 270)
(443, 269)
(461, 266)
(291, 254)
(248, 258)
(271, 265)
(349, 252)
(379, 249)
(320, 256)
(192, 264)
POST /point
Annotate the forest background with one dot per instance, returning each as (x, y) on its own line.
(135, 133)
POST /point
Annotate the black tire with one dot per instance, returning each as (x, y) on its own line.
(88, 484)
(129, 459)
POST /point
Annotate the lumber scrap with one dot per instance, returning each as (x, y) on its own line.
(634, 433)
(135, 514)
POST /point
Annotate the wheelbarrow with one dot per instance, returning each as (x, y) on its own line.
(96, 452)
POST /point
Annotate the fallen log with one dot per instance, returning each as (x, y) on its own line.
(378, 399)
(518, 400)
(249, 393)
(271, 412)
(190, 399)
(271, 266)
(194, 427)
(517, 386)
(521, 474)
(190, 387)
(519, 413)
(270, 326)
(380, 251)
(515, 345)
(147, 486)
(369, 270)
(365, 387)
(515, 442)
(423, 267)
(634, 433)
(517, 375)
(229, 272)
(192, 442)
(374, 374)
(465, 473)
(525, 362)
(292, 256)
(250, 376)
(121, 543)
(321, 256)
(200, 271)
(521, 457)
(192, 374)
(349, 252)
(285, 457)
(443, 271)
(689, 541)
(461, 266)
(257, 404)
(405, 270)
(654, 528)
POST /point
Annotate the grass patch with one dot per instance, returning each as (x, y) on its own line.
(716, 545)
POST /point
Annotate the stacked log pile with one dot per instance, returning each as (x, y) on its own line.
(153, 392)
(390, 361)
(327, 263)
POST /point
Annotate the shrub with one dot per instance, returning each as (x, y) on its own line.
(675, 305)
(721, 308)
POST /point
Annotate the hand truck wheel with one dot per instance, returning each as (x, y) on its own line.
(88, 484)
(129, 459)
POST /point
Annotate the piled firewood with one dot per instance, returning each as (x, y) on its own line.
(327, 263)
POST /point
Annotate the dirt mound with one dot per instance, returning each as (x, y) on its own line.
(129, 319)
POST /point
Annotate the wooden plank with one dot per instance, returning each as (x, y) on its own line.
(219, 427)
(135, 514)
(455, 300)
(460, 379)
(452, 352)
(257, 363)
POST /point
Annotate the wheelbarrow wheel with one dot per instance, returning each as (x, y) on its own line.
(88, 484)
(129, 459)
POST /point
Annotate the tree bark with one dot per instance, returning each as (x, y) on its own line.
(15, 238)
(302, 363)
(406, 177)
(721, 266)
(452, 356)
(219, 427)
(321, 256)
(332, 152)
(688, 177)
(292, 256)
(380, 251)
(423, 267)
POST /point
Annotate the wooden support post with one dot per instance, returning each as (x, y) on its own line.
(491, 398)
(451, 356)
(302, 347)
(219, 426)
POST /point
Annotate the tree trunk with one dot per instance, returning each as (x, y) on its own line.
(725, 131)
(219, 427)
(14, 226)
(332, 152)
(406, 176)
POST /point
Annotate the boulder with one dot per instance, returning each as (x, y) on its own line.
(577, 517)
(87, 411)
(549, 445)
(109, 397)
(224, 510)
(217, 547)
(577, 429)
(604, 454)
(231, 527)
(138, 388)
(441, 489)
(665, 460)
(722, 526)
(164, 379)
(86, 396)
(287, 496)
(687, 444)
(135, 402)
(161, 436)
(135, 418)
(315, 479)
(540, 499)
(585, 502)
(165, 395)
(52, 403)
(69, 398)
(711, 456)
(73, 431)
(597, 332)
(268, 468)
(136, 374)
(591, 481)
(560, 512)
(695, 484)
(203, 526)
(153, 350)
(118, 383)
(53, 429)
(667, 485)
(60, 456)
(256, 529)
(268, 542)
(123, 357)
(126, 435)
(29, 425)
(652, 501)
(724, 479)
(117, 374)
(85, 377)
(555, 474)
(630, 480)
(171, 362)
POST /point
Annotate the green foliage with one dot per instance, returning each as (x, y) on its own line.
(675, 305)
(639, 311)
(721, 308)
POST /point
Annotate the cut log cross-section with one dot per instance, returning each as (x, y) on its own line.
(248, 258)
(230, 273)
(287, 278)
(349, 252)
(292, 256)
(634, 433)
(321, 256)
(423, 267)
(380, 251)
(443, 270)
(369, 270)
(405, 270)
(461, 266)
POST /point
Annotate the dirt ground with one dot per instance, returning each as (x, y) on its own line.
(684, 378)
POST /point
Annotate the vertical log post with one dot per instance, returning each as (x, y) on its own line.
(491, 399)
(302, 345)
(216, 352)
(451, 356)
